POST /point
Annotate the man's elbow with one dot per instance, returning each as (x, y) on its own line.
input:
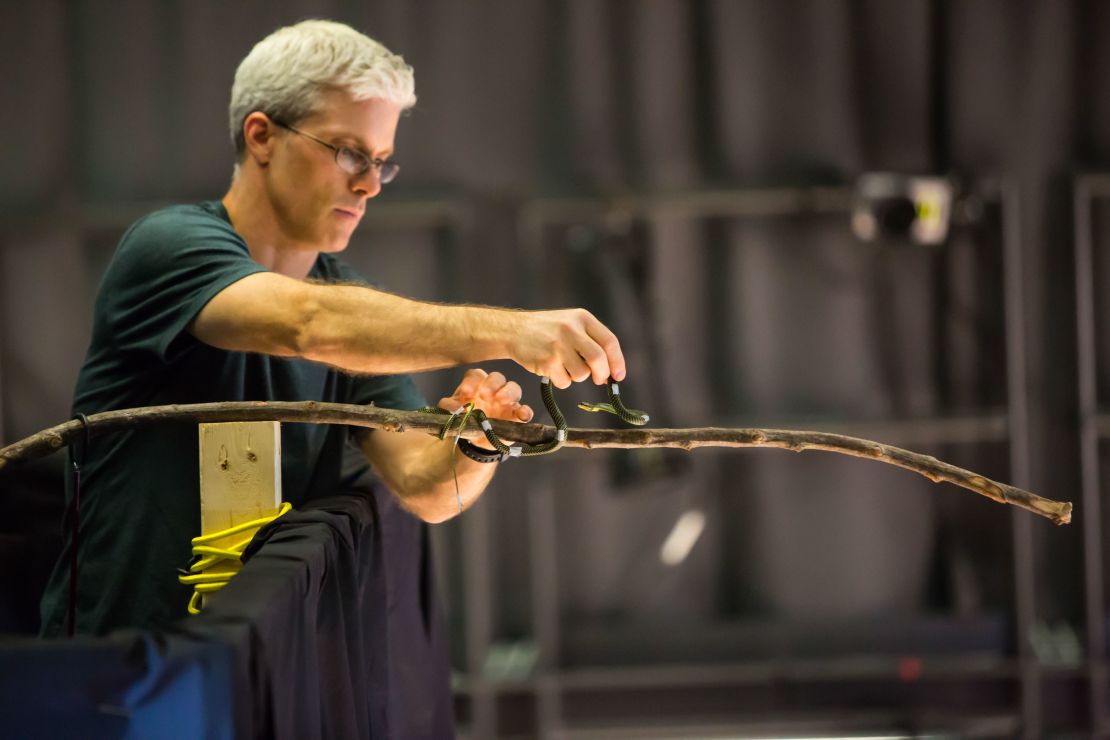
(441, 516)
(433, 508)
(433, 502)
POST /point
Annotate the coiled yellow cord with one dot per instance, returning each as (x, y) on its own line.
(206, 556)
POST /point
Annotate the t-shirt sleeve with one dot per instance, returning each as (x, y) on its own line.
(386, 391)
(168, 266)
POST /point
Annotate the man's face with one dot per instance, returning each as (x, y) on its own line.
(316, 202)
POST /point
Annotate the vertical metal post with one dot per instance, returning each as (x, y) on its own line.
(1088, 449)
(1018, 396)
(3, 390)
(543, 539)
(477, 603)
(455, 240)
(545, 605)
(3, 434)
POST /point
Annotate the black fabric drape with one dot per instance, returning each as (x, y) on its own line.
(325, 633)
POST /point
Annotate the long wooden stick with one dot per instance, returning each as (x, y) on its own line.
(314, 412)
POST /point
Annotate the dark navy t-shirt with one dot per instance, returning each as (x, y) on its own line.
(140, 504)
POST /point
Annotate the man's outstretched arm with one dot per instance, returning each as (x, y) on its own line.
(360, 329)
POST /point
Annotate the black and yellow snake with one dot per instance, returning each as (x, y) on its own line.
(502, 451)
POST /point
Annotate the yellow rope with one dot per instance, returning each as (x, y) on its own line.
(206, 556)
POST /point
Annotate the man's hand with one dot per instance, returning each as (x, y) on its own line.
(567, 346)
(490, 392)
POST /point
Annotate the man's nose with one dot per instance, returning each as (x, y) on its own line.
(369, 183)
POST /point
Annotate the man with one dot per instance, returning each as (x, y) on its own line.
(244, 299)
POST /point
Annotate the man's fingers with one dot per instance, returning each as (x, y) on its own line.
(492, 392)
(597, 361)
(559, 378)
(450, 403)
(471, 383)
(609, 344)
(509, 396)
(491, 385)
(576, 368)
(509, 393)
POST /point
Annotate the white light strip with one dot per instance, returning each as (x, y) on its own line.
(854, 737)
(822, 737)
(682, 538)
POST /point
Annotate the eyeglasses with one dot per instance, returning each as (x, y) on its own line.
(352, 161)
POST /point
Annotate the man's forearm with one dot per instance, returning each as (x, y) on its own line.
(360, 329)
(418, 468)
(365, 330)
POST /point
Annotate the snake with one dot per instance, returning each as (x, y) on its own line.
(502, 451)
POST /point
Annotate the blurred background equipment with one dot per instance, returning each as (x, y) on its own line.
(893, 206)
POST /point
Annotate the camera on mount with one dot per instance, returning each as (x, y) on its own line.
(889, 205)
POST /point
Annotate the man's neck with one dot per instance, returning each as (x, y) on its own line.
(253, 218)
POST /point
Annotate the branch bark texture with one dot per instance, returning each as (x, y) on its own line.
(312, 412)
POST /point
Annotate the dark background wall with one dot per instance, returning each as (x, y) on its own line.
(683, 168)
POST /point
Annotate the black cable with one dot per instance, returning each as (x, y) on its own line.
(75, 522)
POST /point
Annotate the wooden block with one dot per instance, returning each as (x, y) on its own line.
(240, 474)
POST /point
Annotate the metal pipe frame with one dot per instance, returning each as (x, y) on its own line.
(780, 202)
(1087, 189)
(1018, 397)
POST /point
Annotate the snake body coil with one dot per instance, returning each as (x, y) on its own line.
(502, 451)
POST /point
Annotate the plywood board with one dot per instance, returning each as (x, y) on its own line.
(240, 474)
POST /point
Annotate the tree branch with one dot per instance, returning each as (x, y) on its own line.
(390, 420)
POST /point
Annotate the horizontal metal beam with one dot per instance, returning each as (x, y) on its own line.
(1096, 185)
(428, 213)
(728, 203)
(967, 666)
(859, 723)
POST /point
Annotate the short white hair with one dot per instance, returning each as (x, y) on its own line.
(285, 73)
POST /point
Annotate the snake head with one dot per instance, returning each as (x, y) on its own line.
(595, 407)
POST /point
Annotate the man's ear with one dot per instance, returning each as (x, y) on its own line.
(259, 135)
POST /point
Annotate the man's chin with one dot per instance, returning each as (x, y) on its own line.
(335, 242)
